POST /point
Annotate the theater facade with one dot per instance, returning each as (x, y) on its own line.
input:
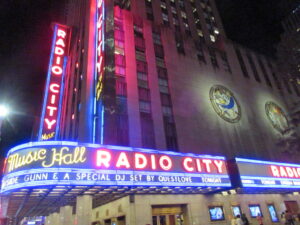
(152, 116)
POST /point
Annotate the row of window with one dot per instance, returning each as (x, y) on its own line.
(166, 102)
(264, 71)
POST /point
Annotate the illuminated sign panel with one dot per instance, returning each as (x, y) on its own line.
(265, 174)
(99, 47)
(67, 163)
(54, 87)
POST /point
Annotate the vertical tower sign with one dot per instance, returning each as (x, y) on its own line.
(50, 117)
(99, 47)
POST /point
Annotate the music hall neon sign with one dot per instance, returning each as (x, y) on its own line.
(54, 87)
(69, 163)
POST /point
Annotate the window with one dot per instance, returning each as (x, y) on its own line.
(148, 139)
(242, 63)
(163, 85)
(141, 66)
(140, 55)
(139, 44)
(160, 62)
(156, 38)
(122, 131)
(213, 58)
(121, 87)
(253, 67)
(120, 60)
(119, 35)
(145, 107)
(162, 72)
(200, 55)
(121, 104)
(120, 70)
(159, 51)
(165, 99)
(144, 94)
(263, 69)
(225, 62)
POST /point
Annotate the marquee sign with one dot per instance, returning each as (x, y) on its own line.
(68, 163)
(265, 174)
(49, 124)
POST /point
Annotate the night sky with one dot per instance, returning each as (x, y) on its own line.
(25, 47)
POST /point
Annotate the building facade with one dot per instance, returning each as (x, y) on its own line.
(155, 74)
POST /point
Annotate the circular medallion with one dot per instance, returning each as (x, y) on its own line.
(225, 104)
(276, 116)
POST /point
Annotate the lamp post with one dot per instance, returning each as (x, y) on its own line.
(4, 111)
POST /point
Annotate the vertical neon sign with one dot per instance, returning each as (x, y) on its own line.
(100, 48)
(54, 85)
(99, 68)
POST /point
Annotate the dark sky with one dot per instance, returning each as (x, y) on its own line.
(25, 45)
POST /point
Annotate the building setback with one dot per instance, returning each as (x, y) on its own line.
(149, 115)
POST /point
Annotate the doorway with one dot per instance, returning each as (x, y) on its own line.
(292, 206)
(168, 215)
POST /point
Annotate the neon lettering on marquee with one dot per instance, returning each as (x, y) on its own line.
(54, 86)
(69, 163)
(100, 47)
(257, 173)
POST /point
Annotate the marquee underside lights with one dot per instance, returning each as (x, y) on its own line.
(264, 174)
(58, 163)
(50, 118)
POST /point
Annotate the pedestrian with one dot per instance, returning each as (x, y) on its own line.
(239, 221)
(259, 219)
(282, 216)
(289, 218)
(233, 220)
(245, 219)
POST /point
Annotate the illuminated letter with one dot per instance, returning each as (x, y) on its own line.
(51, 110)
(53, 99)
(103, 157)
(57, 70)
(290, 172)
(123, 161)
(166, 159)
(219, 165)
(198, 165)
(207, 163)
(61, 33)
(59, 51)
(61, 42)
(153, 162)
(275, 171)
(54, 88)
(50, 123)
(282, 171)
(186, 165)
(140, 161)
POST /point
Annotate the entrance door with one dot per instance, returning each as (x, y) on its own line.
(167, 215)
(121, 220)
(291, 206)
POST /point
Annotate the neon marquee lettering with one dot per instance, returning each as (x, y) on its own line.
(285, 171)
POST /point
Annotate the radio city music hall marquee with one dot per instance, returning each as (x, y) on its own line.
(265, 174)
(66, 163)
(54, 85)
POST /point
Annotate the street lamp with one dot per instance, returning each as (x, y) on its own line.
(4, 111)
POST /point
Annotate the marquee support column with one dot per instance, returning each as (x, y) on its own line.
(84, 210)
(54, 219)
(65, 215)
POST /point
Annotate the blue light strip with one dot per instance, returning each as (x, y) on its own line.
(61, 98)
(47, 83)
(265, 162)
